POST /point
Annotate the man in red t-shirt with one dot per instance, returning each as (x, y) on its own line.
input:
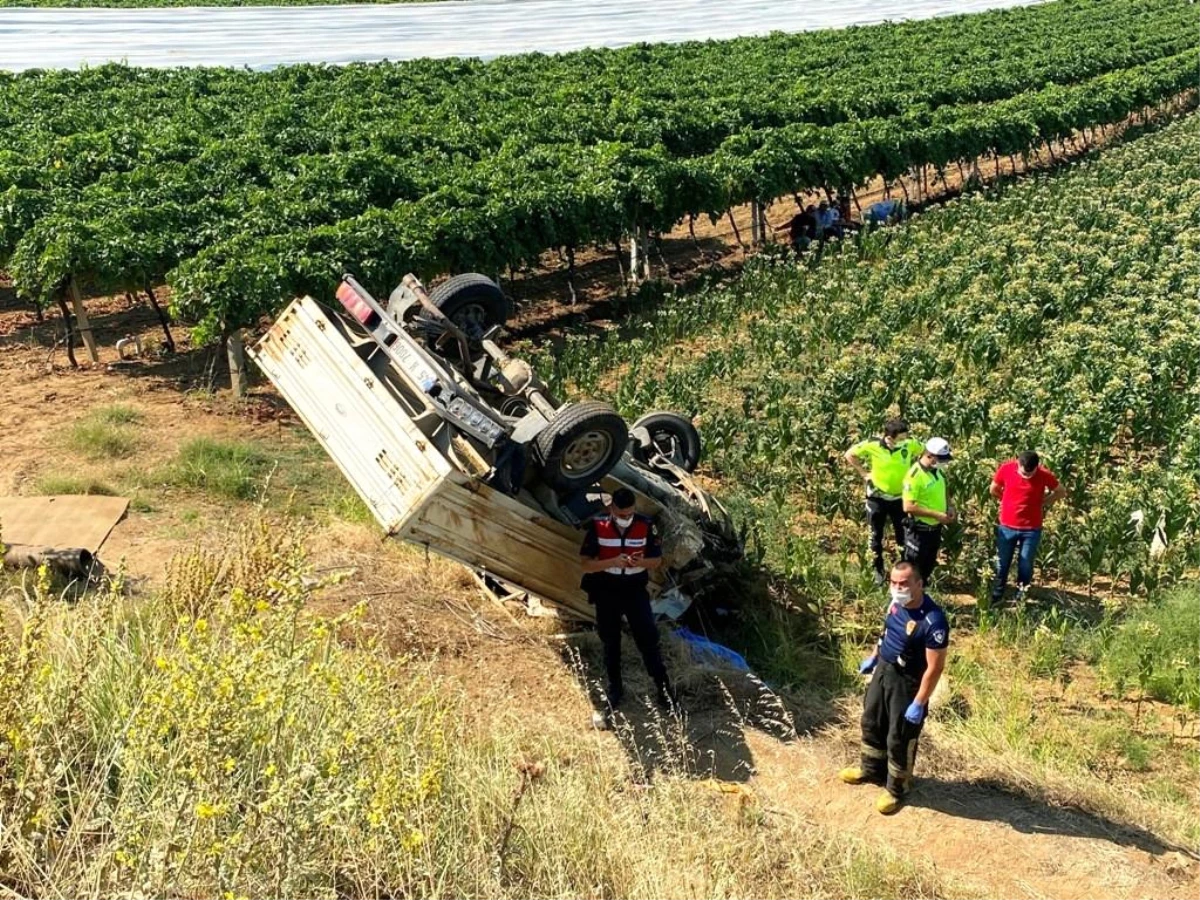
(1025, 489)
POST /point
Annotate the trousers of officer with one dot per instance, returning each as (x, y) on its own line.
(889, 741)
(880, 511)
(921, 545)
(621, 597)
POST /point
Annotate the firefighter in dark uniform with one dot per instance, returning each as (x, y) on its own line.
(907, 663)
(619, 549)
(883, 462)
(927, 507)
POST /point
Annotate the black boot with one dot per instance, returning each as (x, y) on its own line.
(880, 575)
(613, 694)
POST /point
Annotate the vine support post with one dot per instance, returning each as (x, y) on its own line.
(692, 232)
(163, 320)
(737, 234)
(756, 235)
(635, 255)
(66, 317)
(81, 319)
(235, 352)
(656, 243)
(571, 272)
(620, 264)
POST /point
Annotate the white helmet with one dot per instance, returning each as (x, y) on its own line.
(939, 448)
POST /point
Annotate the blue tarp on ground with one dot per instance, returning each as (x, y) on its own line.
(709, 652)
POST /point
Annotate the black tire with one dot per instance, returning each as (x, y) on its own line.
(473, 302)
(674, 436)
(580, 445)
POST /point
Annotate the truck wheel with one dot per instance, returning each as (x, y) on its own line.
(580, 445)
(473, 302)
(672, 435)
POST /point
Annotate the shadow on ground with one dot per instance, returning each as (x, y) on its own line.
(989, 800)
(705, 737)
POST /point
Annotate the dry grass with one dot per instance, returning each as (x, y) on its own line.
(221, 738)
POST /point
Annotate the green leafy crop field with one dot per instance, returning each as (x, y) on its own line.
(242, 189)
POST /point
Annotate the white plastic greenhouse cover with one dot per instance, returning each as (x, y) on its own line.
(266, 36)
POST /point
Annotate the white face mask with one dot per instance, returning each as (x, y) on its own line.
(623, 521)
(901, 596)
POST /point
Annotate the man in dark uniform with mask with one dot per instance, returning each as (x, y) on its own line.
(906, 665)
(618, 551)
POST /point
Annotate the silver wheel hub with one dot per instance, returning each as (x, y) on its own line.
(587, 452)
(667, 446)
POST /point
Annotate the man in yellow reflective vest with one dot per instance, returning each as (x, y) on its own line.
(883, 462)
(927, 507)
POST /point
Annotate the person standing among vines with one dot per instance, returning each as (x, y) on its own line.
(883, 463)
(927, 507)
(1025, 489)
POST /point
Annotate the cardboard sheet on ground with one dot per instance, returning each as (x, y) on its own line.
(60, 521)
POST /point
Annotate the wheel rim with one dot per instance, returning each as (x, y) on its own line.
(669, 447)
(515, 407)
(471, 318)
(586, 453)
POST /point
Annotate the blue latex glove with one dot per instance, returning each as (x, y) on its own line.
(915, 713)
(867, 666)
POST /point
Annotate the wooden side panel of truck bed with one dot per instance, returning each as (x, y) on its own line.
(410, 487)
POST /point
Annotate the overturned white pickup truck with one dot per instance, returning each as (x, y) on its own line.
(458, 447)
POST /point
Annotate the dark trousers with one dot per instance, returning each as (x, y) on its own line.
(921, 545)
(879, 513)
(615, 601)
(889, 741)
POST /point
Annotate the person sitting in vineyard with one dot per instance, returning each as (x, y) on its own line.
(1025, 489)
(843, 208)
(905, 666)
(885, 212)
(829, 224)
(801, 228)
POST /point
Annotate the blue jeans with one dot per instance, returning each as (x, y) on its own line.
(1007, 540)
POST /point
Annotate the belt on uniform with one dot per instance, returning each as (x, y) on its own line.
(904, 670)
(880, 495)
(918, 525)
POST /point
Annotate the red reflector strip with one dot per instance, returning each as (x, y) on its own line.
(356, 305)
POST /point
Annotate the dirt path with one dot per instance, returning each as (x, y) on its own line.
(981, 837)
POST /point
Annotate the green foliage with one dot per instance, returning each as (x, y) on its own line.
(244, 189)
(118, 414)
(74, 484)
(105, 433)
(1156, 650)
(231, 469)
(1055, 313)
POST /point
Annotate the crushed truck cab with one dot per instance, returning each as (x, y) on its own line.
(459, 448)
